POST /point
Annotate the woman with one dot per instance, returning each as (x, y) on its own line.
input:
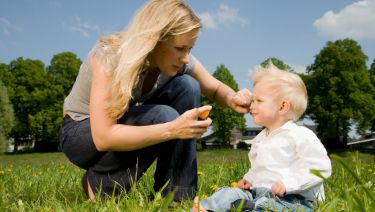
(136, 98)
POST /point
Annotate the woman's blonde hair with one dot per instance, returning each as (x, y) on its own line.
(127, 51)
(283, 85)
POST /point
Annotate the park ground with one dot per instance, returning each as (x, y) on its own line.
(49, 182)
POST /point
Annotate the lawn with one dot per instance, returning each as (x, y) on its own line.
(48, 182)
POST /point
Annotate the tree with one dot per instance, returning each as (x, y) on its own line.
(6, 117)
(340, 91)
(46, 122)
(63, 70)
(371, 73)
(372, 69)
(278, 63)
(225, 119)
(44, 126)
(37, 95)
(27, 86)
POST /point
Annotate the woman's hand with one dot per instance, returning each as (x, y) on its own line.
(241, 100)
(188, 126)
(220, 92)
(244, 184)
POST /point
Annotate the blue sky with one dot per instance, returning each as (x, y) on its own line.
(237, 33)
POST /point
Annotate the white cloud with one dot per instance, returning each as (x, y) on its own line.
(355, 21)
(224, 14)
(208, 20)
(228, 14)
(84, 28)
(82, 31)
(6, 27)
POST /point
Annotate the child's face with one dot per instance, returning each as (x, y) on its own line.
(264, 107)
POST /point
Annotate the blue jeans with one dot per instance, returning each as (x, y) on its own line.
(113, 172)
(263, 199)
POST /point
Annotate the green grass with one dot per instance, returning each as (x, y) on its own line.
(49, 182)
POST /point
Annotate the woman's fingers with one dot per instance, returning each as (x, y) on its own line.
(188, 125)
(243, 97)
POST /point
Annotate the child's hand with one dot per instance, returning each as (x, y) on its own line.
(278, 189)
(244, 184)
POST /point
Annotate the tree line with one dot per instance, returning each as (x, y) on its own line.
(36, 95)
(340, 86)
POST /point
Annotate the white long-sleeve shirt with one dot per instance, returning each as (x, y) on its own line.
(288, 154)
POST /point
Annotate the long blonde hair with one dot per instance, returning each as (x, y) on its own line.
(128, 50)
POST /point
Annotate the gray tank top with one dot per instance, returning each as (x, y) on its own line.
(76, 104)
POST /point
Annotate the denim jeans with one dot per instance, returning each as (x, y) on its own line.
(263, 199)
(113, 172)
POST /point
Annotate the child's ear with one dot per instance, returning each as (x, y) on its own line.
(284, 107)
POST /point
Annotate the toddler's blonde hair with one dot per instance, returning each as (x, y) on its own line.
(283, 85)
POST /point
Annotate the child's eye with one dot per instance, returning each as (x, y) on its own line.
(180, 49)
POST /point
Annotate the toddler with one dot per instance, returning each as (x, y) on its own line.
(282, 154)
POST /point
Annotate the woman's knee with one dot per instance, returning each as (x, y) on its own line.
(187, 92)
(189, 85)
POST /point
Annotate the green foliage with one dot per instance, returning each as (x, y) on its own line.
(225, 119)
(37, 94)
(278, 63)
(49, 182)
(357, 176)
(63, 70)
(27, 93)
(45, 126)
(340, 91)
(46, 122)
(371, 73)
(5, 75)
(6, 117)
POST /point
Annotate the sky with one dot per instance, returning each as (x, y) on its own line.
(239, 34)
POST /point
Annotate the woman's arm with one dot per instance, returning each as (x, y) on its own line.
(220, 92)
(108, 135)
